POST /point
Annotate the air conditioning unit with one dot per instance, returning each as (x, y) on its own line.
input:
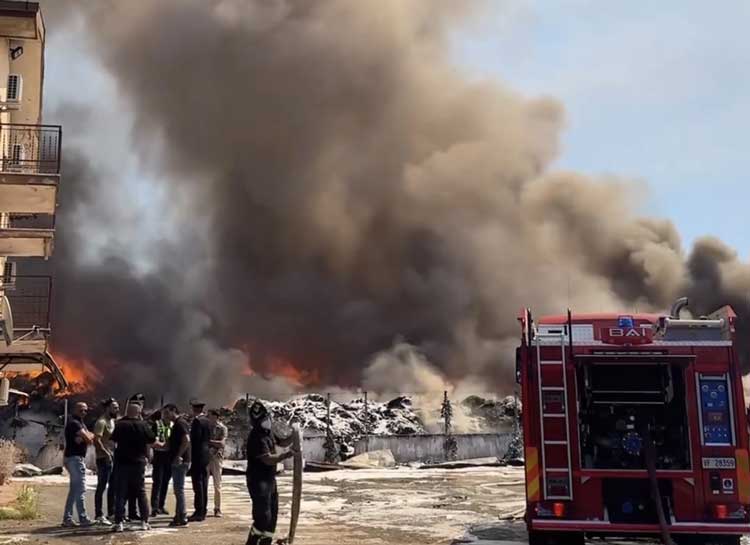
(15, 88)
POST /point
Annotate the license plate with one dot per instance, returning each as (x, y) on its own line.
(718, 463)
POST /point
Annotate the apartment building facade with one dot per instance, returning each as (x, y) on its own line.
(29, 179)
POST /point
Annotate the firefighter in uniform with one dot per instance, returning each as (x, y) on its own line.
(262, 459)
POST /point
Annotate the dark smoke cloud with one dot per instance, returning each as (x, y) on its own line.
(338, 184)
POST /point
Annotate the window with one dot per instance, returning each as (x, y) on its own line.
(16, 155)
(15, 86)
(9, 273)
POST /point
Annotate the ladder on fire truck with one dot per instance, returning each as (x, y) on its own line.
(553, 408)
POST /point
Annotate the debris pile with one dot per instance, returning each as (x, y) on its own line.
(349, 421)
(493, 415)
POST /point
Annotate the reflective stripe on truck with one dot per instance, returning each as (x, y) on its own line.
(743, 476)
(532, 474)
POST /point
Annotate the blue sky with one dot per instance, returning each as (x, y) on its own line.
(654, 91)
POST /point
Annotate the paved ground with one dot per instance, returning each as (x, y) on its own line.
(347, 507)
(365, 507)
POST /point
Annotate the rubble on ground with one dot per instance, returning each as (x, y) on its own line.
(26, 470)
(375, 459)
(348, 420)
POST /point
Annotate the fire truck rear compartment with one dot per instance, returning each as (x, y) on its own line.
(629, 500)
(622, 406)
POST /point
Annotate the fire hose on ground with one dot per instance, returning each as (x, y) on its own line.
(650, 455)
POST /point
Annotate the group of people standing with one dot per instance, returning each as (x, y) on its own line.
(124, 446)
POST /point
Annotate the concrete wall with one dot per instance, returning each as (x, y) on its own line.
(419, 448)
(429, 448)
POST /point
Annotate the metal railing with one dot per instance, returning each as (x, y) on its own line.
(30, 149)
(29, 298)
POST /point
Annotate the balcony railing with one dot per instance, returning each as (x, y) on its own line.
(30, 149)
(29, 298)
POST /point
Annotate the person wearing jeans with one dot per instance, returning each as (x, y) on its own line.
(178, 451)
(179, 471)
(104, 482)
(77, 440)
(105, 447)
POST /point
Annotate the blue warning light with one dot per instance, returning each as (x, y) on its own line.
(626, 322)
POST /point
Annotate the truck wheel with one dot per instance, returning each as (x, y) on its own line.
(556, 538)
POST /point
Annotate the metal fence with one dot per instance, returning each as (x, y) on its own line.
(30, 149)
(29, 298)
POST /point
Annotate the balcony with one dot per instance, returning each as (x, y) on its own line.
(29, 318)
(29, 177)
(29, 300)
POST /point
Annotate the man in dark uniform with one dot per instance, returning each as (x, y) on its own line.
(161, 466)
(133, 436)
(200, 437)
(262, 459)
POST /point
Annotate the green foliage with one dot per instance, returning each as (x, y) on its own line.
(26, 506)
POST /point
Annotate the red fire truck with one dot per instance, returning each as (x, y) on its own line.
(634, 425)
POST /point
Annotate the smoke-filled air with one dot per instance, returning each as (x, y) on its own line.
(337, 204)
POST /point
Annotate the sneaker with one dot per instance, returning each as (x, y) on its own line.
(86, 523)
(178, 523)
(119, 527)
(69, 524)
(218, 513)
(163, 511)
(145, 526)
(154, 512)
(195, 517)
(103, 521)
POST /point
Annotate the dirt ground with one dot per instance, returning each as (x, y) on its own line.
(348, 507)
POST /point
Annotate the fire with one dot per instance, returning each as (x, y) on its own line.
(279, 366)
(82, 375)
(295, 375)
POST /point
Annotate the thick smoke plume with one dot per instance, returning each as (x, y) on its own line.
(336, 184)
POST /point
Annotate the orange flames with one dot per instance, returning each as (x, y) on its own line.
(280, 367)
(295, 375)
(82, 375)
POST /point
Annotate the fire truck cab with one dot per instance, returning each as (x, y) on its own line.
(634, 425)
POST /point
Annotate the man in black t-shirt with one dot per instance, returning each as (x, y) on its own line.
(133, 436)
(262, 460)
(178, 454)
(77, 440)
(200, 436)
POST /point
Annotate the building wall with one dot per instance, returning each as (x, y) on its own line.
(31, 67)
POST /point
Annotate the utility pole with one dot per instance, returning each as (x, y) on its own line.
(328, 413)
(367, 425)
(330, 447)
